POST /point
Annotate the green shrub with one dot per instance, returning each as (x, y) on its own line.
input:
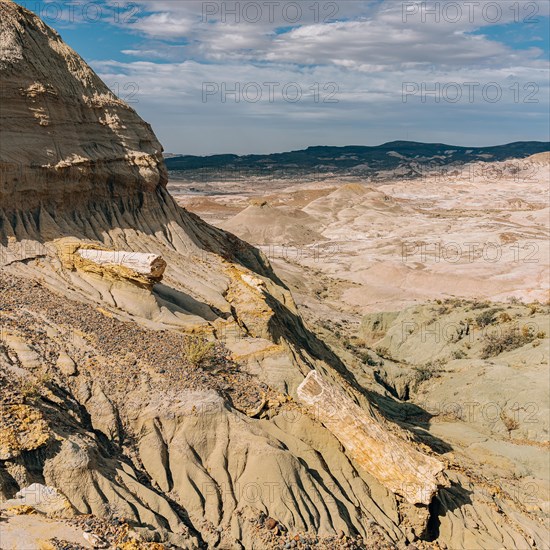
(368, 359)
(487, 317)
(479, 305)
(458, 354)
(425, 372)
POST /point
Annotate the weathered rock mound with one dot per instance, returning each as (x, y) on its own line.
(66, 138)
(81, 167)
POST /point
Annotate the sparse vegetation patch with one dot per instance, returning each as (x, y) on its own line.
(509, 339)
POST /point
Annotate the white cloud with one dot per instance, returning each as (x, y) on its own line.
(163, 25)
(371, 53)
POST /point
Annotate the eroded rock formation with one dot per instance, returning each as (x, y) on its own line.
(128, 397)
(66, 138)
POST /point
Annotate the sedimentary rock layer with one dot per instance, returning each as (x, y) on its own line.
(66, 138)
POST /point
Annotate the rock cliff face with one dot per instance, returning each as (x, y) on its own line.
(170, 407)
(66, 138)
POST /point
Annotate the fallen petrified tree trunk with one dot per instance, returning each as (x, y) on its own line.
(390, 459)
(150, 265)
(138, 268)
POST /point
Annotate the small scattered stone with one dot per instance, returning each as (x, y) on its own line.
(95, 541)
(271, 523)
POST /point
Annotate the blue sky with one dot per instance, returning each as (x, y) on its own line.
(212, 79)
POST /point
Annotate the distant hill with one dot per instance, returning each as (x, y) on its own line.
(408, 158)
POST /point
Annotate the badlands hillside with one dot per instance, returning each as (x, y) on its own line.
(160, 387)
(436, 287)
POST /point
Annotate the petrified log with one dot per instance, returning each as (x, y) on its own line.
(150, 265)
(396, 463)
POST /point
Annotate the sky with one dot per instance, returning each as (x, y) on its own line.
(267, 76)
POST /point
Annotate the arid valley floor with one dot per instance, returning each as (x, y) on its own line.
(412, 279)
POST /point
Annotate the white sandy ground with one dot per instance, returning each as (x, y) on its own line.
(33, 531)
(404, 241)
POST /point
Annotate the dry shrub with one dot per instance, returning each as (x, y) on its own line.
(510, 339)
(384, 352)
(510, 423)
(504, 317)
(198, 351)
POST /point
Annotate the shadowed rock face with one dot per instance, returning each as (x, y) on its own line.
(66, 138)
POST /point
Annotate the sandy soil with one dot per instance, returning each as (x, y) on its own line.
(480, 234)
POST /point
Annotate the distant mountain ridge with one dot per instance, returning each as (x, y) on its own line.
(407, 157)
